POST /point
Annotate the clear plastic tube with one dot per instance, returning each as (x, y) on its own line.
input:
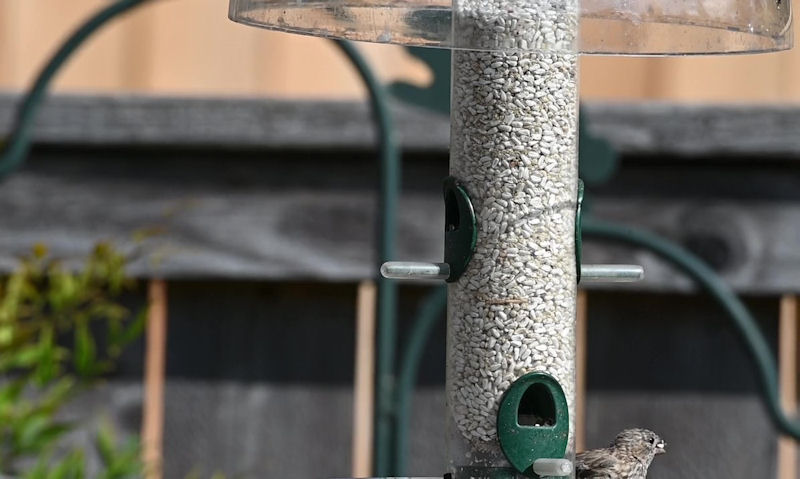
(513, 146)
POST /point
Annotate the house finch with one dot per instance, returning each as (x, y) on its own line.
(627, 458)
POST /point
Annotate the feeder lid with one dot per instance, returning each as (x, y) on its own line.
(638, 27)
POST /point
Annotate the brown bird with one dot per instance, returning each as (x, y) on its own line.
(628, 457)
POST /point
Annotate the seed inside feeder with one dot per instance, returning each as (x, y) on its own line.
(513, 145)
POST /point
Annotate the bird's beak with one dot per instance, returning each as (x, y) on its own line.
(661, 447)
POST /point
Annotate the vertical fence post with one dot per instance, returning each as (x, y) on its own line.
(154, 375)
(364, 379)
(788, 370)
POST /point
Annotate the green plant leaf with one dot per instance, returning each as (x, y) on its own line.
(49, 434)
(121, 462)
(9, 399)
(40, 251)
(10, 391)
(24, 334)
(40, 302)
(40, 469)
(57, 394)
(71, 467)
(37, 431)
(104, 441)
(25, 357)
(63, 292)
(108, 311)
(134, 329)
(50, 356)
(6, 334)
(13, 295)
(85, 353)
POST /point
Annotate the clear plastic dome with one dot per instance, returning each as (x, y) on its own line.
(638, 27)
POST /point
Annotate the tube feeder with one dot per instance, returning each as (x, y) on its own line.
(512, 201)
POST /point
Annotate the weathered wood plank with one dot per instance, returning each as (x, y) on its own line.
(753, 245)
(247, 209)
(231, 230)
(787, 369)
(692, 130)
(650, 129)
(223, 123)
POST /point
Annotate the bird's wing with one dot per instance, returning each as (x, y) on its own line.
(596, 464)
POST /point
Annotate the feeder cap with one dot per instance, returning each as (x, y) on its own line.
(631, 27)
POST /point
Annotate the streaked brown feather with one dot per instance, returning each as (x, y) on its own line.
(628, 457)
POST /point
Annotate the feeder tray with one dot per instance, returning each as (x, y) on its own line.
(642, 27)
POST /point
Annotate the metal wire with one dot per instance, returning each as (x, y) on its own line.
(390, 174)
(429, 313)
(740, 316)
(17, 146)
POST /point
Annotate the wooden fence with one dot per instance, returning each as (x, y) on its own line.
(113, 165)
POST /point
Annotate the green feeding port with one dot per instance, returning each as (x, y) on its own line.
(452, 217)
(533, 421)
(460, 235)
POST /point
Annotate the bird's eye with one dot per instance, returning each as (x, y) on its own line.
(652, 440)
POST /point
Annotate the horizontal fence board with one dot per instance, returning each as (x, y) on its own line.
(224, 232)
(647, 128)
(223, 123)
(754, 246)
(285, 208)
(690, 130)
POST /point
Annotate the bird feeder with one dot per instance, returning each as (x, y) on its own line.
(512, 200)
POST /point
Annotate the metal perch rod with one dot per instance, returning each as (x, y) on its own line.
(597, 273)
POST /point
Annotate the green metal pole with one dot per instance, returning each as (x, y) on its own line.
(743, 321)
(430, 312)
(16, 148)
(390, 174)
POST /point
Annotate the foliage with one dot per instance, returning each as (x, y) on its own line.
(119, 460)
(52, 325)
(197, 475)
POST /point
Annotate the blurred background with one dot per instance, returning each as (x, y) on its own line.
(235, 171)
(189, 47)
